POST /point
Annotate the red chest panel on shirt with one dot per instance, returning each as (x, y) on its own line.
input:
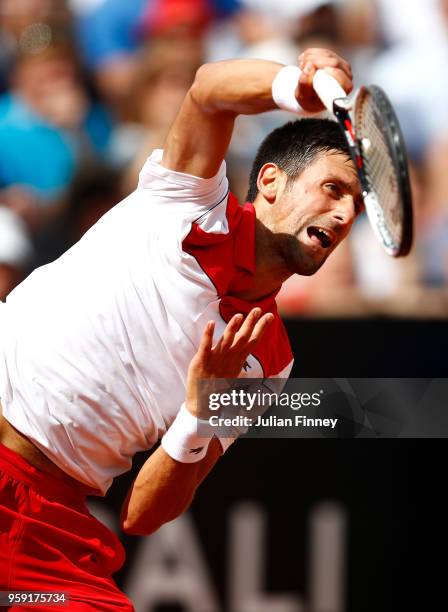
(229, 262)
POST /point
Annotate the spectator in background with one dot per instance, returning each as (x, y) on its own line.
(165, 70)
(25, 26)
(110, 32)
(409, 21)
(15, 251)
(165, 73)
(94, 191)
(18, 19)
(107, 32)
(433, 241)
(433, 219)
(48, 115)
(205, 24)
(267, 29)
(418, 44)
(179, 22)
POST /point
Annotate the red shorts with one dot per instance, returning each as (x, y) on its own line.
(50, 542)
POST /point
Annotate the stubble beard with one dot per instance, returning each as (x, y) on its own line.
(297, 257)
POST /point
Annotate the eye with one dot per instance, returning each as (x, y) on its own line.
(333, 188)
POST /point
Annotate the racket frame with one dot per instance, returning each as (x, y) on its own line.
(343, 109)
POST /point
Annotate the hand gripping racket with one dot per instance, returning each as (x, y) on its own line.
(378, 151)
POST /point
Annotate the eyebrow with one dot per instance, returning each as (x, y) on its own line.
(349, 186)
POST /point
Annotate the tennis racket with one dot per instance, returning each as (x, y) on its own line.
(378, 151)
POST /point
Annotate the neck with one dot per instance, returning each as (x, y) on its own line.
(270, 267)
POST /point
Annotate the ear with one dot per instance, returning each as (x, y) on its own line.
(269, 182)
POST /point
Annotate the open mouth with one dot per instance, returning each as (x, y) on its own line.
(321, 236)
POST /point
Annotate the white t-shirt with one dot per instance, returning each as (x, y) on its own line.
(95, 346)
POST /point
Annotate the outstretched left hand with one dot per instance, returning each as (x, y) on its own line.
(227, 357)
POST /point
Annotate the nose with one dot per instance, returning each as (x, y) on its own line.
(345, 212)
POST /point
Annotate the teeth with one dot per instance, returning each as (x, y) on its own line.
(323, 235)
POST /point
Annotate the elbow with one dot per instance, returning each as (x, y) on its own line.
(139, 529)
(147, 525)
(200, 89)
(208, 89)
(203, 74)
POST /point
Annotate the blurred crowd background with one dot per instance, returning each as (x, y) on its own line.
(89, 87)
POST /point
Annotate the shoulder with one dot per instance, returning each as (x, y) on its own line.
(154, 169)
(189, 195)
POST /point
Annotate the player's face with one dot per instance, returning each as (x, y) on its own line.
(315, 212)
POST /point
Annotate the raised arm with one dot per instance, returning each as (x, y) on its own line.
(199, 138)
(164, 487)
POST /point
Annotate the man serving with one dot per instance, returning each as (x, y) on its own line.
(100, 351)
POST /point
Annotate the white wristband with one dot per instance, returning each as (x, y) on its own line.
(182, 440)
(284, 88)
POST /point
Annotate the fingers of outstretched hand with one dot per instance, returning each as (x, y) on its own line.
(231, 358)
(249, 334)
(206, 343)
(227, 357)
(246, 329)
(232, 327)
(242, 333)
(258, 332)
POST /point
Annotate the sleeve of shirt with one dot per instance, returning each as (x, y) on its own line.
(183, 194)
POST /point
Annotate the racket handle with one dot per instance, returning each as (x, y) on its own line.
(327, 88)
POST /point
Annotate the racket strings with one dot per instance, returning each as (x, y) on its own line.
(380, 167)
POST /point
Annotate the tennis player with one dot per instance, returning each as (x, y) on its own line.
(96, 347)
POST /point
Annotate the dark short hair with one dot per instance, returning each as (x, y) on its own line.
(294, 146)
